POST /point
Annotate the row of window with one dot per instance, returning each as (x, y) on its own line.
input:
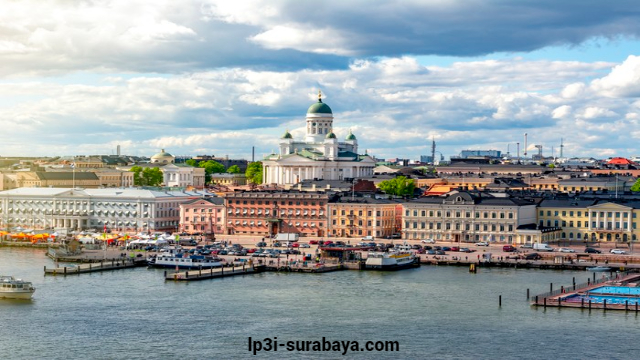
(457, 226)
(274, 202)
(596, 225)
(459, 214)
(361, 212)
(361, 222)
(601, 214)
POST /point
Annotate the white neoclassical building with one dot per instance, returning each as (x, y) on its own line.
(80, 209)
(174, 175)
(319, 156)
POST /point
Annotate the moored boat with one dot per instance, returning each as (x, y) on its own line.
(12, 288)
(185, 261)
(393, 260)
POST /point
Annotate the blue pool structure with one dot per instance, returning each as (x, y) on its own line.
(623, 290)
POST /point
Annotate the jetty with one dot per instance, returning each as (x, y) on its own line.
(619, 291)
(213, 273)
(106, 265)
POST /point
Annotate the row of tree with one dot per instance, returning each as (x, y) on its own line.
(153, 176)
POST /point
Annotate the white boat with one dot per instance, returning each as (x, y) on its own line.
(184, 261)
(12, 288)
(392, 260)
(599, 268)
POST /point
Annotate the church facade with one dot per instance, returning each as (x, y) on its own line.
(318, 156)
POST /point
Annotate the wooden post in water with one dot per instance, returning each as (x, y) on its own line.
(65, 270)
(626, 305)
(89, 266)
(604, 305)
(594, 277)
(588, 282)
(186, 274)
(551, 287)
(581, 303)
(527, 294)
(545, 302)
(562, 289)
(536, 299)
(500, 300)
(589, 304)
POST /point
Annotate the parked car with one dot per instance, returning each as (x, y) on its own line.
(617, 251)
(444, 248)
(261, 244)
(527, 246)
(420, 251)
(566, 250)
(251, 251)
(313, 242)
(416, 247)
(454, 248)
(306, 246)
(431, 252)
(533, 256)
(428, 241)
(592, 251)
(466, 250)
(482, 243)
(427, 247)
(509, 248)
(440, 252)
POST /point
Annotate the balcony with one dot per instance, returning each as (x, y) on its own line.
(610, 230)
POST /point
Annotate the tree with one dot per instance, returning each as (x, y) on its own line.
(235, 169)
(191, 162)
(400, 186)
(551, 166)
(254, 172)
(636, 186)
(211, 167)
(147, 176)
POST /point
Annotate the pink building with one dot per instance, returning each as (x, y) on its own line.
(205, 216)
(268, 213)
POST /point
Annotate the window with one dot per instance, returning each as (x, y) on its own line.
(564, 213)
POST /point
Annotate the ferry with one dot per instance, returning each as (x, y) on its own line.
(184, 261)
(12, 288)
(392, 260)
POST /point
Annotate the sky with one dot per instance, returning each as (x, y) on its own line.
(220, 77)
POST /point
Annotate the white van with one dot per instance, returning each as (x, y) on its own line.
(368, 238)
(542, 247)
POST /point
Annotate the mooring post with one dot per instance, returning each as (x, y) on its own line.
(636, 306)
(536, 299)
(588, 282)
(551, 287)
(626, 305)
(545, 302)
(604, 305)
(581, 303)
(594, 277)
(500, 300)
(527, 294)
(165, 274)
(65, 270)
(562, 289)
(186, 274)
(589, 304)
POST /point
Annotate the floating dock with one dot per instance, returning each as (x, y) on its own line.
(619, 292)
(94, 267)
(213, 273)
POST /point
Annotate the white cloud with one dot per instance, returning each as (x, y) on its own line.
(561, 112)
(623, 81)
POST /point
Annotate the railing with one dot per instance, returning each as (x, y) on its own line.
(571, 287)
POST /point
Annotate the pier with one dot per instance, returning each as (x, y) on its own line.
(523, 264)
(616, 292)
(213, 273)
(94, 267)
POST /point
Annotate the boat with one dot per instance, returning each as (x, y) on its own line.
(392, 260)
(12, 288)
(183, 261)
(599, 268)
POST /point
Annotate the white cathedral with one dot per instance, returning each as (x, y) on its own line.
(320, 156)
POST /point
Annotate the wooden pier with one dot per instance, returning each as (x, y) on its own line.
(93, 267)
(213, 273)
(562, 297)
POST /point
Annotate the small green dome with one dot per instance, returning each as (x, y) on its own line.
(351, 136)
(287, 135)
(331, 135)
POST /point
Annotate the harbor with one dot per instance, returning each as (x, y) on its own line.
(91, 267)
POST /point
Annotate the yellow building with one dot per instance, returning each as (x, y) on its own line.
(359, 216)
(591, 220)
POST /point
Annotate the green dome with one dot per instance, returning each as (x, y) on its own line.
(287, 135)
(319, 108)
(351, 136)
(331, 135)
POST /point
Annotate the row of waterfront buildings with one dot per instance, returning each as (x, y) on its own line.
(464, 216)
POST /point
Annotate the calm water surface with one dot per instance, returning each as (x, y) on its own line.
(433, 312)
